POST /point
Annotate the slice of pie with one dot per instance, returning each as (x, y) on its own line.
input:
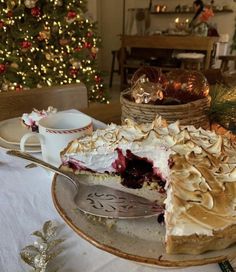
(192, 172)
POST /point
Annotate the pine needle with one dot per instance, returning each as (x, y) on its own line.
(223, 106)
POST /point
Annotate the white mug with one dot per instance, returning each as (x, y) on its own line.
(56, 131)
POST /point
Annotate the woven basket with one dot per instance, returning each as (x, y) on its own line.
(192, 113)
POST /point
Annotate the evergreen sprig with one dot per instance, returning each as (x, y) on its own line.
(223, 106)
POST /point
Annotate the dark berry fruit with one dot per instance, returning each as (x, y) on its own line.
(161, 218)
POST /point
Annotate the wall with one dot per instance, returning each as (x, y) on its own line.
(225, 21)
(110, 14)
(110, 25)
(93, 8)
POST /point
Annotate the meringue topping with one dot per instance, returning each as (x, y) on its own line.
(201, 184)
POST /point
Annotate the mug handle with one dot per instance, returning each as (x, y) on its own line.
(25, 138)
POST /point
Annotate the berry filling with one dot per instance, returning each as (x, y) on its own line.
(135, 171)
(161, 218)
(35, 128)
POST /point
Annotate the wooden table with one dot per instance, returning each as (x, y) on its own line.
(192, 43)
(107, 113)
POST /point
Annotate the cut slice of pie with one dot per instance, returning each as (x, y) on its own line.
(192, 172)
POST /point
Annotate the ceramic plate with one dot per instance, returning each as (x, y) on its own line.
(29, 149)
(139, 240)
(11, 131)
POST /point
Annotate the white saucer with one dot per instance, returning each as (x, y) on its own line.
(11, 131)
(29, 149)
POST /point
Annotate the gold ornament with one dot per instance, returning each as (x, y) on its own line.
(11, 4)
(14, 65)
(49, 56)
(70, 20)
(58, 3)
(75, 63)
(144, 91)
(5, 87)
(12, 88)
(9, 21)
(94, 50)
(45, 34)
(30, 3)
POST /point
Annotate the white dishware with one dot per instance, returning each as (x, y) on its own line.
(56, 131)
(139, 240)
(12, 130)
(28, 148)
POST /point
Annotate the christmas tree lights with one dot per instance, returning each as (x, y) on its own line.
(48, 42)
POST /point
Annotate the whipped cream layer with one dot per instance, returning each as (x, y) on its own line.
(98, 152)
(201, 182)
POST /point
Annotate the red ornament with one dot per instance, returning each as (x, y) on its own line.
(93, 56)
(19, 88)
(71, 14)
(10, 14)
(87, 45)
(97, 79)
(36, 12)
(1, 24)
(78, 49)
(89, 34)
(2, 68)
(186, 86)
(73, 71)
(26, 44)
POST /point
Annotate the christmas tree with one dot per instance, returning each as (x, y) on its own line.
(48, 42)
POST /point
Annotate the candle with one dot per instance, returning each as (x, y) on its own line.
(158, 8)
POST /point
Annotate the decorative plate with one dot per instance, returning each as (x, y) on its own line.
(139, 240)
(11, 131)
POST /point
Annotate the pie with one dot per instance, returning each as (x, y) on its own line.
(191, 172)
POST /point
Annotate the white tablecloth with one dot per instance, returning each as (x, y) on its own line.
(26, 203)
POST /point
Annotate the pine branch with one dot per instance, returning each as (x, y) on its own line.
(223, 106)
